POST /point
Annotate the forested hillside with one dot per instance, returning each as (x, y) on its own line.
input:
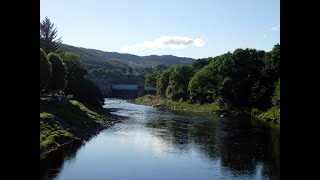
(121, 60)
(120, 65)
(92, 59)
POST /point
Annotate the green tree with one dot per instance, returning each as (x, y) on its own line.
(178, 83)
(270, 75)
(160, 67)
(74, 66)
(45, 70)
(59, 73)
(82, 89)
(87, 92)
(276, 94)
(151, 79)
(200, 63)
(243, 69)
(76, 71)
(162, 82)
(226, 91)
(204, 85)
(97, 72)
(271, 62)
(48, 37)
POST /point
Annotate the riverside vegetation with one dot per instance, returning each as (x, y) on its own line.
(247, 80)
(67, 121)
(62, 120)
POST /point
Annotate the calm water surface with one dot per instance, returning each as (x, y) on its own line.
(159, 144)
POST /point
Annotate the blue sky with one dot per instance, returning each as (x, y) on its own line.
(186, 28)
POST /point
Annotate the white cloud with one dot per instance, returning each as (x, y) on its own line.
(174, 42)
(275, 28)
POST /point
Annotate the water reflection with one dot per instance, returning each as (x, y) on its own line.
(242, 149)
(52, 164)
(162, 144)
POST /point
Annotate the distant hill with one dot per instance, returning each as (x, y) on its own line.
(90, 59)
(124, 60)
(134, 60)
(170, 60)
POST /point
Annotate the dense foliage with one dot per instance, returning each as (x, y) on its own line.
(74, 66)
(45, 70)
(81, 88)
(204, 86)
(244, 78)
(68, 75)
(276, 95)
(178, 83)
(87, 92)
(59, 73)
(48, 37)
(151, 79)
(243, 68)
(163, 82)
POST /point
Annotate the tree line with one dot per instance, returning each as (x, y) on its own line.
(136, 73)
(244, 78)
(63, 73)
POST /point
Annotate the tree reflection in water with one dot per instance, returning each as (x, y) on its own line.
(241, 146)
(244, 148)
(51, 165)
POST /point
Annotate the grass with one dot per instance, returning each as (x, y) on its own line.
(94, 116)
(70, 113)
(52, 135)
(46, 115)
(271, 115)
(178, 105)
(74, 113)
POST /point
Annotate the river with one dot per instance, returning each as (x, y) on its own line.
(150, 143)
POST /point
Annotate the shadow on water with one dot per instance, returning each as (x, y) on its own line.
(51, 165)
(237, 147)
(241, 144)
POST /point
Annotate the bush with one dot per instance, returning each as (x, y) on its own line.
(59, 73)
(87, 92)
(276, 95)
(45, 70)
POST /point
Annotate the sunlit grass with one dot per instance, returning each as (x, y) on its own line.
(46, 115)
(91, 114)
(52, 135)
(271, 115)
(179, 105)
(72, 112)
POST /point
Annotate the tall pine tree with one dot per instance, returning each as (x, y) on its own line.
(48, 37)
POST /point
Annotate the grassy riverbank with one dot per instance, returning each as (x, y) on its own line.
(176, 105)
(271, 115)
(66, 121)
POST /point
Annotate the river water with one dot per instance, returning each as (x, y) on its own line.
(150, 143)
